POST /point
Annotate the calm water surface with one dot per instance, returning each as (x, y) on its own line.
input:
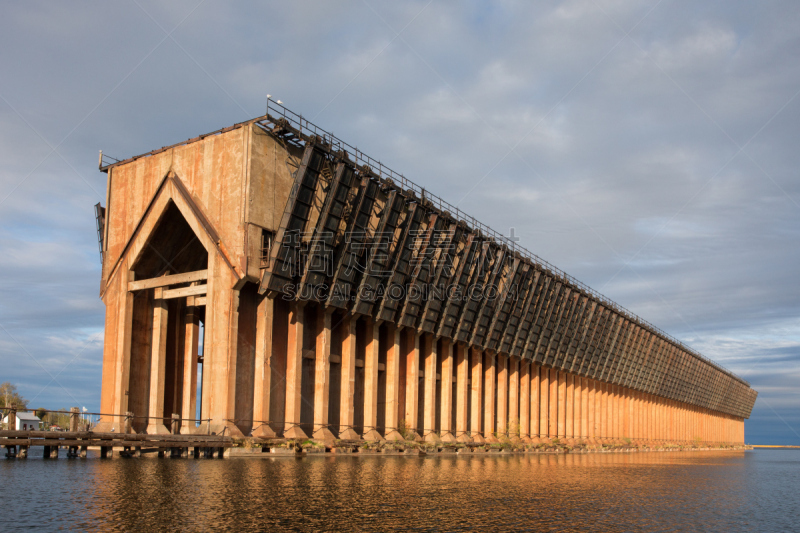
(700, 491)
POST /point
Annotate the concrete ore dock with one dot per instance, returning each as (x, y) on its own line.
(269, 282)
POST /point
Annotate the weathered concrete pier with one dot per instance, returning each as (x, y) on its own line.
(300, 289)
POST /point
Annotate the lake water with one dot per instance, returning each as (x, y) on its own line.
(679, 491)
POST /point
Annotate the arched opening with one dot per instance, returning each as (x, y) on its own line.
(172, 248)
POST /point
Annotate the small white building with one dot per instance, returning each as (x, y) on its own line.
(26, 422)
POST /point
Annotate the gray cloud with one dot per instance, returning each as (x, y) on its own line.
(659, 167)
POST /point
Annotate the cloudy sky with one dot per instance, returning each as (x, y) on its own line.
(643, 147)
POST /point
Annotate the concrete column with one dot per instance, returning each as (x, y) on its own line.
(502, 394)
(191, 332)
(657, 418)
(371, 382)
(618, 413)
(591, 432)
(667, 420)
(562, 405)
(635, 416)
(477, 395)
(604, 435)
(613, 413)
(598, 411)
(514, 427)
(294, 372)
(584, 409)
(412, 385)
(322, 377)
(570, 408)
(552, 415)
(158, 359)
(118, 379)
(446, 431)
(393, 384)
(544, 404)
(576, 410)
(535, 396)
(525, 400)
(629, 414)
(263, 378)
(429, 416)
(646, 418)
(489, 391)
(462, 392)
(348, 387)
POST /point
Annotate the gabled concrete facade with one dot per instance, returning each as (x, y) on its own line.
(324, 295)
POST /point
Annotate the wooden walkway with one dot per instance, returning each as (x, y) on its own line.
(18, 443)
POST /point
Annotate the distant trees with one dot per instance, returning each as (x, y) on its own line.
(10, 396)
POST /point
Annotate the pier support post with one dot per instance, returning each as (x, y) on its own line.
(446, 404)
(570, 409)
(524, 401)
(322, 377)
(544, 404)
(191, 333)
(412, 385)
(429, 417)
(158, 360)
(476, 395)
(490, 384)
(501, 363)
(348, 386)
(393, 408)
(371, 356)
(462, 392)
(74, 420)
(262, 388)
(535, 398)
(513, 425)
(294, 373)
(552, 416)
